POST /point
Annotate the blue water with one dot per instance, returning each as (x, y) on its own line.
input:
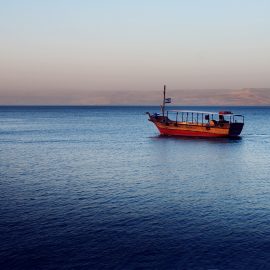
(97, 188)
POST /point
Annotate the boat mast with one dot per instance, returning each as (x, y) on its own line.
(164, 99)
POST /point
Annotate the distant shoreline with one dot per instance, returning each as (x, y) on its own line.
(134, 105)
(207, 97)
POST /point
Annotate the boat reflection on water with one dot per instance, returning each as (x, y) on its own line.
(235, 139)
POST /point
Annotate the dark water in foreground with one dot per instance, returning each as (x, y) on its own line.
(97, 188)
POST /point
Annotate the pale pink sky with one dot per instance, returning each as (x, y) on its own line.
(59, 51)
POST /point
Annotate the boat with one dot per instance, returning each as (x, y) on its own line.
(196, 123)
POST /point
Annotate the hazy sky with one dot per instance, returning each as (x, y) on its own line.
(59, 49)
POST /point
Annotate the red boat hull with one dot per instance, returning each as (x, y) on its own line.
(195, 129)
(188, 133)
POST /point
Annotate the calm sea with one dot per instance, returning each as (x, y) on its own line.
(97, 188)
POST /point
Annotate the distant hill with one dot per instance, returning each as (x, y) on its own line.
(246, 96)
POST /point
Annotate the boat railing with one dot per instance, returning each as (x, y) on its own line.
(236, 118)
(204, 118)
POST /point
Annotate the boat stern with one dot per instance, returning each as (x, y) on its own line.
(235, 129)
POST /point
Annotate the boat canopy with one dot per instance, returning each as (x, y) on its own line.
(202, 112)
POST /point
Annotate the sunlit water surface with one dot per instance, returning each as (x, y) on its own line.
(97, 188)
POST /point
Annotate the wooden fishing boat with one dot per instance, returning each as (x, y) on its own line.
(196, 123)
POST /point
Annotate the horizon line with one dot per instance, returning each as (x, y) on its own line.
(125, 105)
